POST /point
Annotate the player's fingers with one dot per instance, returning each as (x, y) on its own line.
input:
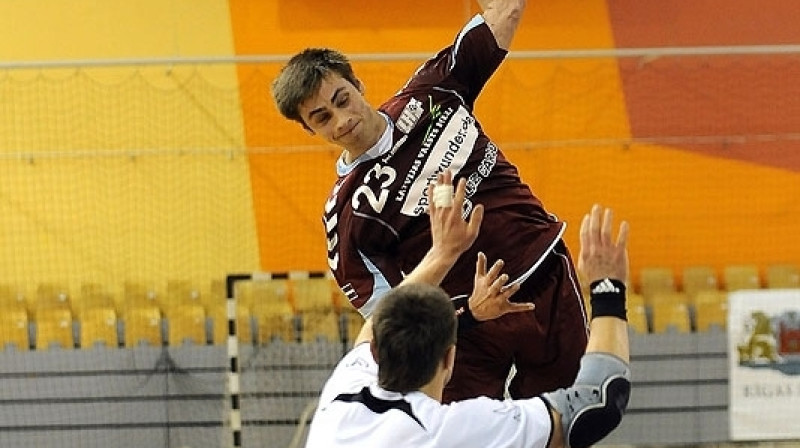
(480, 265)
(512, 307)
(509, 289)
(495, 270)
(431, 203)
(475, 220)
(584, 233)
(497, 286)
(460, 192)
(594, 225)
(605, 231)
(622, 238)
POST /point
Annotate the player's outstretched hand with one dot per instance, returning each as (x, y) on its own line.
(490, 295)
(450, 232)
(600, 256)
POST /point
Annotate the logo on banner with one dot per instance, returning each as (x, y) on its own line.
(770, 341)
(764, 362)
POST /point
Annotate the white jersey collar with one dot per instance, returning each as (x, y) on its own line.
(381, 147)
(379, 392)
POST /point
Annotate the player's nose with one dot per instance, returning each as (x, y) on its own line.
(344, 124)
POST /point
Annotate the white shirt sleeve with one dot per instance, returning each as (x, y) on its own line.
(493, 423)
(356, 370)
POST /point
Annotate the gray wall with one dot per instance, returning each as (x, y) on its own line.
(176, 396)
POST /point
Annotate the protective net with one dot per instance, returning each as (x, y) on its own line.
(131, 187)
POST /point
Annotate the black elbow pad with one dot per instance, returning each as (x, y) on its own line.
(595, 404)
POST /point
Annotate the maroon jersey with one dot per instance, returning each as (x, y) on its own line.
(375, 217)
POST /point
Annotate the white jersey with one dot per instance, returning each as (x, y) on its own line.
(354, 411)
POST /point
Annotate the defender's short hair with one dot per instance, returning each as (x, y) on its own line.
(413, 327)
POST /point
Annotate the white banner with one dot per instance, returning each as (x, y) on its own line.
(764, 357)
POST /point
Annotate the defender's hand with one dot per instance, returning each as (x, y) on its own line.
(600, 257)
(490, 295)
(450, 232)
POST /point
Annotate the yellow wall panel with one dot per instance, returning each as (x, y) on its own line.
(86, 29)
(121, 172)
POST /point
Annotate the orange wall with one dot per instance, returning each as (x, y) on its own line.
(686, 206)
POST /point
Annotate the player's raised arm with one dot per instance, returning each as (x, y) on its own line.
(604, 263)
(503, 17)
(590, 409)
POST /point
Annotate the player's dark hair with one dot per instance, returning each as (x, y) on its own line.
(413, 326)
(302, 76)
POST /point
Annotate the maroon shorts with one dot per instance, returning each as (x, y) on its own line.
(545, 345)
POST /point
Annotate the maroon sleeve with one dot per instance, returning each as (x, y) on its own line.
(465, 66)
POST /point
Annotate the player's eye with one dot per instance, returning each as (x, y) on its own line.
(322, 118)
(343, 100)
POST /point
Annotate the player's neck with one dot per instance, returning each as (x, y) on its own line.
(374, 130)
(433, 392)
(435, 387)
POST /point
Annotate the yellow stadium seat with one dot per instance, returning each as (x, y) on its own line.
(654, 280)
(217, 287)
(320, 325)
(261, 290)
(709, 314)
(134, 301)
(214, 296)
(637, 318)
(671, 317)
(92, 300)
(669, 298)
(50, 295)
(312, 293)
(137, 288)
(634, 299)
(275, 321)
(137, 294)
(142, 326)
(12, 296)
(44, 306)
(715, 297)
(54, 328)
(92, 288)
(98, 326)
(699, 278)
(179, 292)
(313, 297)
(6, 291)
(784, 275)
(219, 317)
(14, 327)
(340, 301)
(181, 286)
(50, 291)
(353, 321)
(741, 276)
(186, 323)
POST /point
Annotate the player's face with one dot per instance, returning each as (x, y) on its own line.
(340, 114)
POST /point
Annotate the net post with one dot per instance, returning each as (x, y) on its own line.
(234, 417)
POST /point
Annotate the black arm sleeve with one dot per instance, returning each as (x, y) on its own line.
(465, 318)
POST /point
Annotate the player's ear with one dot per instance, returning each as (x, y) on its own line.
(449, 361)
(373, 348)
